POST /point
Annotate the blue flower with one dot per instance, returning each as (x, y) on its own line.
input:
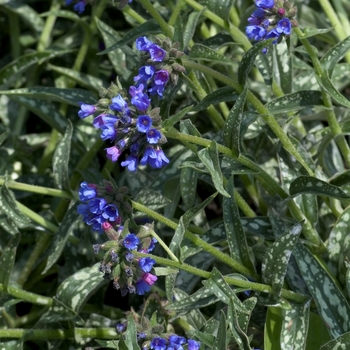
(153, 136)
(131, 241)
(148, 156)
(284, 26)
(131, 163)
(193, 345)
(273, 34)
(113, 153)
(159, 161)
(97, 205)
(110, 212)
(255, 32)
(143, 44)
(120, 105)
(144, 123)
(139, 99)
(129, 256)
(120, 327)
(156, 52)
(108, 133)
(80, 6)
(158, 343)
(86, 110)
(145, 73)
(161, 77)
(265, 4)
(83, 209)
(68, 2)
(257, 17)
(146, 264)
(87, 191)
(142, 287)
(105, 119)
(176, 342)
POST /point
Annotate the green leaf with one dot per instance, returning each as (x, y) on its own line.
(326, 83)
(220, 339)
(284, 66)
(275, 263)
(341, 179)
(188, 186)
(12, 345)
(190, 27)
(149, 27)
(272, 331)
(334, 55)
(232, 127)
(69, 96)
(308, 184)
(318, 333)
(130, 336)
(330, 302)
(249, 59)
(342, 342)
(60, 159)
(310, 31)
(264, 63)
(152, 199)
(236, 237)
(3, 137)
(218, 40)
(60, 238)
(71, 16)
(295, 325)
(187, 127)
(224, 94)
(171, 121)
(337, 240)
(210, 158)
(219, 7)
(259, 225)
(109, 344)
(10, 72)
(7, 260)
(179, 32)
(295, 101)
(201, 52)
(117, 56)
(203, 337)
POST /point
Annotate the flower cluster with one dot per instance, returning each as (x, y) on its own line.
(103, 204)
(128, 273)
(129, 121)
(79, 5)
(174, 342)
(271, 20)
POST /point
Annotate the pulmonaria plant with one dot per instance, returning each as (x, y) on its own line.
(272, 19)
(128, 273)
(80, 5)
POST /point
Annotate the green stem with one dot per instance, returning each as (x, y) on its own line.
(45, 334)
(26, 296)
(165, 247)
(242, 204)
(15, 34)
(129, 11)
(36, 189)
(230, 280)
(175, 13)
(197, 241)
(331, 117)
(159, 19)
(342, 16)
(37, 218)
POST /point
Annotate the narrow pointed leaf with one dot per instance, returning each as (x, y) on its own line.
(219, 7)
(330, 302)
(308, 184)
(210, 158)
(130, 336)
(220, 340)
(342, 342)
(284, 66)
(188, 186)
(201, 52)
(275, 263)
(232, 127)
(190, 27)
(60, 159)
(172, 120)
(236, 237)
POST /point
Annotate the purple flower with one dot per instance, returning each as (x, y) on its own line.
(158, 343)
(265, 4)
(110, 212)
(257, 17)
(86, 110)
(108, 133)
(87, 191)
(149, 155)
(153, 136)
(113, 153)
(83, 209)
(139, 99)
(145, 74)
(176, 342)
(146, 264)
(68, 2)
(161, 77)
(120, 327)
(149, 278)
(142, 287)
(255, 32)
(80, 6)
(97, 205)
(131, 162)
(105, 119)
(152, 245)
(129, 257)
(193, 345)
(284, 26)
(157, 53)
(143, 44)
(120, 105)
(273, 34)
(114, 256)
(157, 89)
(131, 241)
(159, 161)
(144, 123)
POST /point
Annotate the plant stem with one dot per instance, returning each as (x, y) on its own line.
(197, 241)
(242, 204)
(331, 117)
(165, 247)
(159, 19)
(129, 11)
(175, 13)
(230, 280)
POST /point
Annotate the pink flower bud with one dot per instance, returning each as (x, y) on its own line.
(149, 278)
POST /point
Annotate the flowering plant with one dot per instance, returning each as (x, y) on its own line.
(175, 174)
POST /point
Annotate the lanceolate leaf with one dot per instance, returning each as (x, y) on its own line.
(61, 236)
(231, 134)
(201, 52)
(342, 342)
(60, 159)
(236, 238)
(220, 340)
(171, 121)
(284, 66)
(275, 263)
(308, 184)
(295, 324)
(130, 336)
(7, 259)
(190, 27)
(210, 158)
(331, 303)
(295, 101)
(188, 186)
(219, 7)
